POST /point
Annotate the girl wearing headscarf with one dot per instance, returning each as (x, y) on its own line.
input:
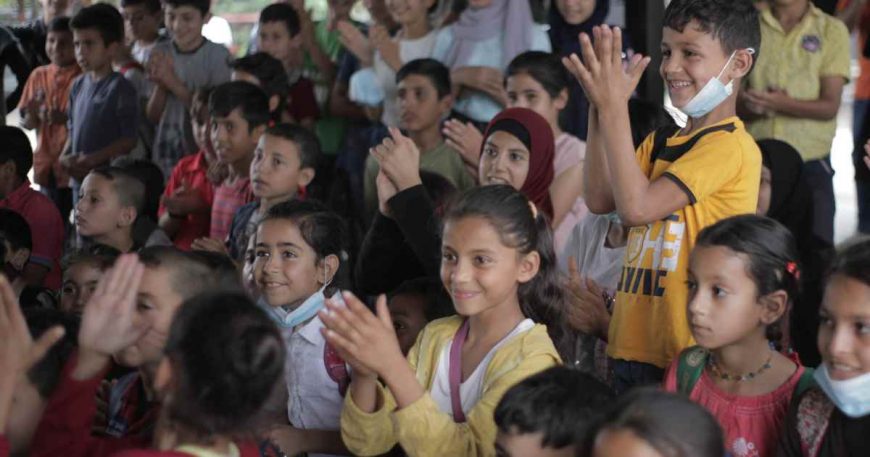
(517, 150)
(785, 196)
(478, 47)
(568, 19)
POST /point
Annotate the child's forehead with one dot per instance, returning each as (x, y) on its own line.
(182, 9)
(692, 34)
(416, 80)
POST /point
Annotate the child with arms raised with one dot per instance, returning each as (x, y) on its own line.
(498, 266)
(668, 191)
(742, 276)
(298, 251)
(283, 165)
(834, 418)
(178, 67)
(185, 207)
(239, 113)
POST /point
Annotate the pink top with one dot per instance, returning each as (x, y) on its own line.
(227, 200)
(752, 425)
(570, 151)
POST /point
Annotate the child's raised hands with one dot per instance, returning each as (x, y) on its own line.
(107, 323)
(364, 340)
(601, 73)
(399, 159)
(356, 42)
(587, 311)
(464, 138)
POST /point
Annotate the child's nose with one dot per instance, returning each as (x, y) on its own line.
(840, 342)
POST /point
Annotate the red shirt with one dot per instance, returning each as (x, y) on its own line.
(227, 200)
(46, 229)
(4, 446)
(66, 425)
(192, 170)
(301, 102)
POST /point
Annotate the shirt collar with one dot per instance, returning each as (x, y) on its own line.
(812, 14)
(310, 331)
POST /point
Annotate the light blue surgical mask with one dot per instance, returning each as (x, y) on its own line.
(851, 396)
(613, 217)
(304, 312)
(712, 94)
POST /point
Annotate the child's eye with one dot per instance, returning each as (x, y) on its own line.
(142, 306)
(691, 285)
(515, 157)
(481, 260)
(448, 257)
(261, 254)
(718, 291)
(398, 326)
(689, 54)
(276, 162)
(288, 255)
(68, 290)
(490, 152)
(862, 328)
(666, 53)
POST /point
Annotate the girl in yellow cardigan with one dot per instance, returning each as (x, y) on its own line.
(499, 267)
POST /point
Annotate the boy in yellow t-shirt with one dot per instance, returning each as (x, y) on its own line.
(679, 180)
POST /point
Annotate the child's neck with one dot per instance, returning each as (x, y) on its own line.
(746, 356)
(145, 42)
(490, 326)
(267, 203)
(241, 167)
(416, 29)
(120, 239)
(101, 72)
(725, 110)
(428, 138)
(554, 124)
(192, 46)
(790, 15)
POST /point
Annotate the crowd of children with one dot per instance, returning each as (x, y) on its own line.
(430, 235)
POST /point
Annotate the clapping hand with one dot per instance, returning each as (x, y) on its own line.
(605, 79)
(464, 138)
(587, 311)
(399, 159)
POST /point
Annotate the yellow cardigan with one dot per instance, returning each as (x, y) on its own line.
(421, 428)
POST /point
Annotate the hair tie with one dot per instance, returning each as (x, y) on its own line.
(792, 269)
(534, 209)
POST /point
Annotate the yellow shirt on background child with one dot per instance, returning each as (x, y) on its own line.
(422, 428)
(796, 62)
(719, 168)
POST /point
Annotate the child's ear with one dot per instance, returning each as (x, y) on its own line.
(274, 102)
(529, 266)
(19, 258)
(561, 100)
(128, 216)
(328, 267)
(306, 175)
(741, 63)
(774, 305)
(445, 105)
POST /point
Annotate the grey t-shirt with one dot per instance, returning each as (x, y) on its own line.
(207, 66)
(101, 112)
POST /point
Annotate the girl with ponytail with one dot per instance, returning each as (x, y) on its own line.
(499, 268)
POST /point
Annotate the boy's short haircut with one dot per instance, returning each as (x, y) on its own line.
(152, 6)
(437, 303)
(306, 142)
(98, 255)
(103, 17)
(202, 5)
(561, 403)
(735, 23)
(190, 275)
(269, 70)
(432, 69)
(59, 24)
(16, 147)
(15, 230)
(281, 12)
(152, 178)
(250, 99)
(129, 188)
(224, 270)
(45, 375)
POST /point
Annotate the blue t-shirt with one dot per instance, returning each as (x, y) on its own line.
(101, 112)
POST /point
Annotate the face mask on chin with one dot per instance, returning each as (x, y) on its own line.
(712, 94)
(852, 396)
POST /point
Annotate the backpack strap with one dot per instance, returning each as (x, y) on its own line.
(813, 418)
(690, 368)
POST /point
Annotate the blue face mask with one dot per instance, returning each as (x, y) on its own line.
(613, 217)
(304, 312)
(851, 396)
(712, 94)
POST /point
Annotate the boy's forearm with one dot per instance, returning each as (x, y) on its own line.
(117, 148)
(156, 103)
(596, 175)
(323, 63)
(181, 92)
(628, 183)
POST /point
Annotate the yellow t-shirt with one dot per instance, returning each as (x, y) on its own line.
(797, 61)
(719, 168)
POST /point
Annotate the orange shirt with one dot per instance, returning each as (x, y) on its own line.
(862, 85)
(55, 83)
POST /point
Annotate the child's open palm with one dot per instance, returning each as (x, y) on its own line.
(399, 159)
(107, 323)
(364, 340)
(601, 73)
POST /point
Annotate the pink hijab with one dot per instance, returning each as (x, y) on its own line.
(511, 17)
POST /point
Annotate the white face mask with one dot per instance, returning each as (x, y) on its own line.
(851, 396)
(712, 94)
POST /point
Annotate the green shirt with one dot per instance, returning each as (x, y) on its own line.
(329, 129)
